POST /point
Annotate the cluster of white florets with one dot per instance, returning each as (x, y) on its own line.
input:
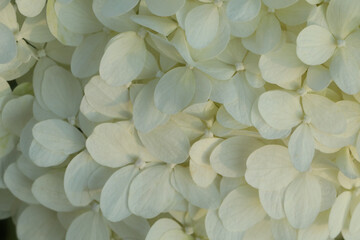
(180, 119)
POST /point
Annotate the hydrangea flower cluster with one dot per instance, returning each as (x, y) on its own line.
(180, 119)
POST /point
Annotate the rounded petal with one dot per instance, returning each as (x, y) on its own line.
(146, 116)
(281, 65)
(76, 179)
(167, 143)
(241, 209)
(113, 8)
(175, 90)
(201, 25)
(146, 193)
(302, 147)
(302, 201)
(343, 17)
(30, 8)
(49, 191)
(229, 157)
(339, 213)
(318, 77)
(315, 45)
(269, 168)
(8, 49)
(124, 59)
(324, 114)
(39, 223)
(243, 10)
(114, 195)
(89, 225)
(280, 109)
(61, 92)
(344, 69)
(164, 8)
(57, 135)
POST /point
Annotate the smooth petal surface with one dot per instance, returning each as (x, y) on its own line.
(114, 195)
(123, 60)
(243, 10)
(164, 8)
(201, 25)
(175, 90)
(229, 157)
(302, 201)
(302, 147)
(338, 213)
(241, 202)
(150, 192)
(8, 49)
(315, 45)
(58, 135)
(269, 168)
(61, 92)
(280, 109)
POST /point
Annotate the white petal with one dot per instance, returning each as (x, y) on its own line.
(78, 16)
(344, 69)
(90, 225)
(281, 229)
(302, 147)
(164, 8)
(262, 230)
(280, 109)
(318, 77)
(279, 3)
(19, 184)
(241, 209)
(295, 14)
(62, 34)
(44, 157)
(61, 92)
(216, 230)
(272, 202)
(302, 201)
(49, 191)
(113, 8)
(339, 212)
(114, 195)
(167, 143)
(176, 235)
(16, 113)
(132, 227)
(85, 61)
(36, 29)
(175, 90)
(319, 230)
(328, 194)
(216, 69)
(58, 135)
(77, 175)
(124, 59)
(243, 10)
(8, 48)
(266, 37)
(39, 223)
(30, 8)
(324, 114)
(245, 29)
(269, 168)
(146, 116)
(281, 65)
(343, 17)
(164, 26)
(107, 146)
(160, 227)
(265, 130)
(202, 174)
(315, 45)
(229, 157)
(146, 193)
(201, 25)
(240, 109)
(107, 100)
(208, 197)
